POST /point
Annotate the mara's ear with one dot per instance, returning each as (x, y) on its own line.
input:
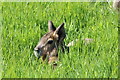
(51, 27)
(60, 31)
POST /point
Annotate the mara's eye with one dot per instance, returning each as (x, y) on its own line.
(50, 41)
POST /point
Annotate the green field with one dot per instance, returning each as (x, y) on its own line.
(24, 23)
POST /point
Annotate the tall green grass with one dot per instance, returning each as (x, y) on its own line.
(0, 41)
(24, 24)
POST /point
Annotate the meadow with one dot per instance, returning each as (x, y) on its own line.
(24, 23)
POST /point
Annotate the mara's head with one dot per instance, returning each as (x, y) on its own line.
(49, 43)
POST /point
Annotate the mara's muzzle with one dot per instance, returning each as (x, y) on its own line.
(37, 53)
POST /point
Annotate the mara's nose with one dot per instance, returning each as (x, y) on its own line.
(36, 49)
(37, 52)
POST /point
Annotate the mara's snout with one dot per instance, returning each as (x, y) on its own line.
(37, 53)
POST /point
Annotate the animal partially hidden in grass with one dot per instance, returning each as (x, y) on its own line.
(50, 42)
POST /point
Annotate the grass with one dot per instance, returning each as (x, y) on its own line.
(0, 41)
(24, 23)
